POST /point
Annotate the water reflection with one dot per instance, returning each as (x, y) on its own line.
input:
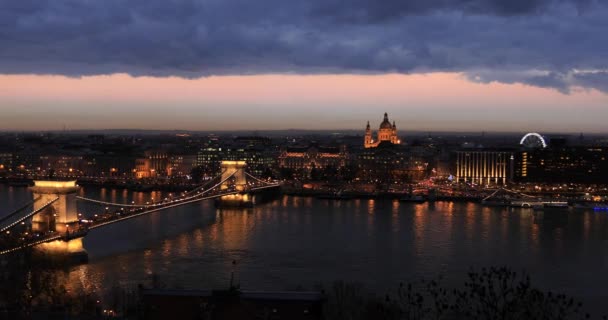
(371, 205)
(371, 208)
(420, 218)
(113, 197)
(305, 241)
(395, 217)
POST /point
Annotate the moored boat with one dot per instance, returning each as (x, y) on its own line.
(412, 198)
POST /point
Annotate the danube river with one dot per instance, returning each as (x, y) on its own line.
(297, 243)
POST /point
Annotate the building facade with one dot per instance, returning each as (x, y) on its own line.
(484, 167)
(6, 162)
(390, 164)
(386, 133)
(303, 160)
(587, 165)
(260, 161)
(181, 165)
(63, 166)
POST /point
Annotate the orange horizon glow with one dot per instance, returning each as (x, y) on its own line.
(431, 101)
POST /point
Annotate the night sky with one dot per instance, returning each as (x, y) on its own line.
(492, 65)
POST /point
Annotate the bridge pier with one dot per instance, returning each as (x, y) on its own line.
(235, 201)
(61, 217)
(234, 178)
(72, 249)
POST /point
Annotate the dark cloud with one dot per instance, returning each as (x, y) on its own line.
(596, 80)
(378, 11)
(548, 43)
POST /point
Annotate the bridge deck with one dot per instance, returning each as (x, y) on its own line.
(135, 211)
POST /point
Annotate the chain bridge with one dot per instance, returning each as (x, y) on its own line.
(57, 227)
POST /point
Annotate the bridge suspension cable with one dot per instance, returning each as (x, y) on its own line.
(29, 215)
(206, 183)
(257, 179)
(186, 200)
(265, 187)
(31, 244)
(217, 184)
(126, 217)
(113, 204)
(10, 215)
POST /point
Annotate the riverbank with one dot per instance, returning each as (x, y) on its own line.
(137, 186)
(114, 184)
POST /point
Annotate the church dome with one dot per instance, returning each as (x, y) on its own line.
(385, 123)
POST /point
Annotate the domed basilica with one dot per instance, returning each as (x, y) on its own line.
(387, 132)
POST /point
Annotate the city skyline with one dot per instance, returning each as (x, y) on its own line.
(318, 159)
(207, 65)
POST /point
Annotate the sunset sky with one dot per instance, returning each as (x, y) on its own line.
(433, 65)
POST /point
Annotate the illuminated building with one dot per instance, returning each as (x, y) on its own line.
(109, 165)
(181, 165)
(155, 163)
(259, 160)
(208, 159)
(306, 159)
(62, 165)
(142, 168)
(159, 161)
(484, 167)
(6, 162)
(563, 165)
(389, 164)
(26, 164)
(386, 132)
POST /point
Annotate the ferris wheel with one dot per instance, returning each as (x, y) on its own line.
(533, 140)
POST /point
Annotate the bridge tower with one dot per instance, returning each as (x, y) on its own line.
(236, 169)
(238, 182)
(60, 216)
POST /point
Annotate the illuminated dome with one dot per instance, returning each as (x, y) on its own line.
(385, 123)
(387, 132)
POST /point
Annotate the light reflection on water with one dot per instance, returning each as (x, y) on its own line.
(305, 241)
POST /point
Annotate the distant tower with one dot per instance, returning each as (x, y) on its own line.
(394, 139)
(368, 136)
